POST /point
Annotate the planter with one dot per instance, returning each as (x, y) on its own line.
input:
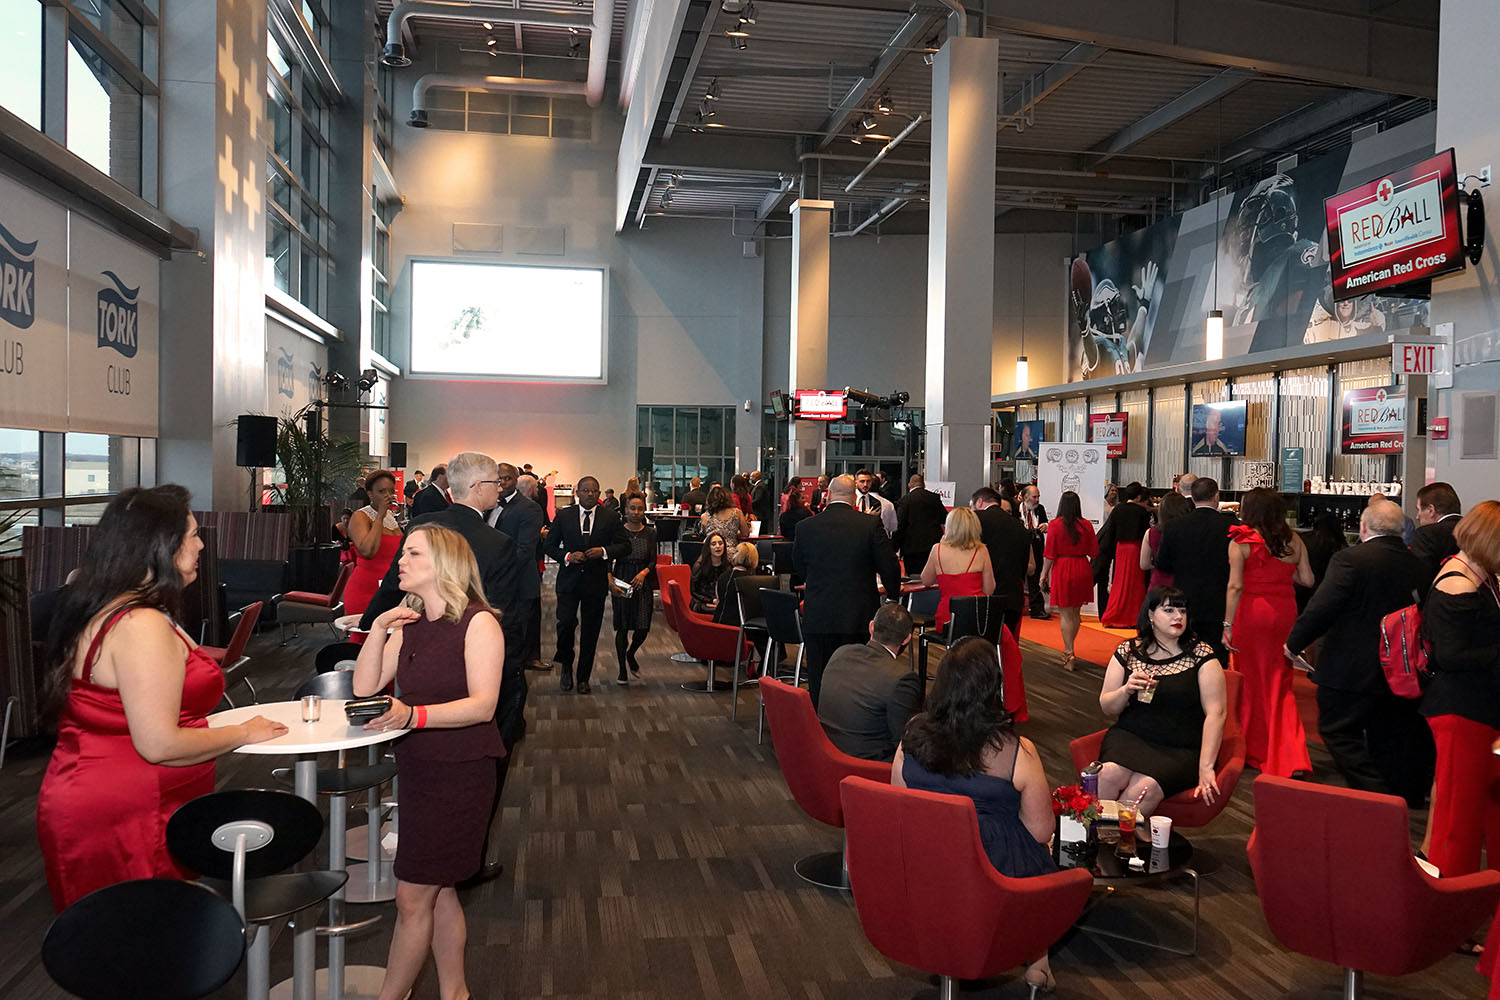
(314, 569)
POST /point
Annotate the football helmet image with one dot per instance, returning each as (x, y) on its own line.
(1266, 226)
(1109, 330)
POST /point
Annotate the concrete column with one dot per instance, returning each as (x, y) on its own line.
(812, 227)
(961, 261)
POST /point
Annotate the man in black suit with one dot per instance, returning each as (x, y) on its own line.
(1438, 513)
(1378, 740)
(1195, 550)
(819, 495)
(919, 525)
(760, 497)
(434, 496)
(521, 519)
(695, 498)
(583, 539)
(870, 691)
(475, 484)
(839, 553)
(413, 486)
(1011, 555)
(1033, 517)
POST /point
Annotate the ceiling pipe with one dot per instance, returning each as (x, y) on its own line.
(895, 141)
(395, 48)
(958, 21)
(493, 84)
(601, 29)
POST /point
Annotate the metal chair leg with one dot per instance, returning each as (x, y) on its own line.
(10, 704)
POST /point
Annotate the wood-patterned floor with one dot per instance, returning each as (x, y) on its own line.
(649, 844)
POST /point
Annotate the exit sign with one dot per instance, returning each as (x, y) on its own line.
(1420, 356)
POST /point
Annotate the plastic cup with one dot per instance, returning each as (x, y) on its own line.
(1127, 821)
(1161, 831)
(312, 708)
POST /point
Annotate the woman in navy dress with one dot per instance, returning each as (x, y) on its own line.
(445, 651)
(965, 744)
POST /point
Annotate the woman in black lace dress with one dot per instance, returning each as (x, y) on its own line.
(632, 610)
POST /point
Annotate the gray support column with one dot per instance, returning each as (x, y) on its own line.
(961, 261)
(812, 223)
(213, 177)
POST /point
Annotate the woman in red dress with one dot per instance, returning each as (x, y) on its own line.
(133, 741)
(1121, 538)
(1265, 557)
(959, 565)
(375, 538)
(1071, 543)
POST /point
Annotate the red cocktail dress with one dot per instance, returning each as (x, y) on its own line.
(102, 811)
(1072, 582)
(365, 580)
(1275, 742)
(969, 583)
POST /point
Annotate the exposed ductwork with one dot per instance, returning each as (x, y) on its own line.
(600, 25)
(493, 84)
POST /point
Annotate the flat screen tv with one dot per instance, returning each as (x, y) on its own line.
(1218, 429)
(508, 322)
(778, 404)
(1399, 228)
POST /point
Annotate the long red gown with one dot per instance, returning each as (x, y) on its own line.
(1127, 588)
(365, 580)
(1275, 742)
(102, 811)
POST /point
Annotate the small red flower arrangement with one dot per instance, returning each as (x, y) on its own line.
(1076, 804)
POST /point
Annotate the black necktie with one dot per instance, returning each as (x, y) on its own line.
(588, 522)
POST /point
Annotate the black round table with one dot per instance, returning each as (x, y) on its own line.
(1112, 871)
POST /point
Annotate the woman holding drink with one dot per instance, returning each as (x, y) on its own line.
(1166, 691)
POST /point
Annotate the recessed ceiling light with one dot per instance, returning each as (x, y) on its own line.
(488, 26)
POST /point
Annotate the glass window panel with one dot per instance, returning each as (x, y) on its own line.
(21, 77)
(104, 116)
(86, 465)
(483, 100)
(453, 120)
(277, 58)
(280, 114)
(85, 513)
(445, 100)
(312, 279)
(572, 128)
(642, 426)
(312, 163)
(278, 252)
(529, 126)
(20, 464)
(115, 23)
(11, 524)
(687, 430)
(661, 429)
(494, 124)
(711, 432)
(530, 104)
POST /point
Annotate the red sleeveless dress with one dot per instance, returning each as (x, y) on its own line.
(969, 583)
(364, 581)
(1275, 742)
(102, 811)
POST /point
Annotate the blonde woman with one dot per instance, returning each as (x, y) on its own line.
(445, 650)
(959, 564)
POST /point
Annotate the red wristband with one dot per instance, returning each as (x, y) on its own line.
(421, 717)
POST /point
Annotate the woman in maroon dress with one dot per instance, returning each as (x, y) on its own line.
(1172, 506)
(445, 651)
(1065, 567)
(1265, 557)
(134, 691)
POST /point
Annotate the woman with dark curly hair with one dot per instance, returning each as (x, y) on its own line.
(965, 744)
(721, 515)
(1265, 558)
(375, 538)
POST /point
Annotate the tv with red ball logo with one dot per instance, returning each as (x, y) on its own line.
(1397, 229)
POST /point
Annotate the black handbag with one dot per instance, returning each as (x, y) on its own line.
(362, 710)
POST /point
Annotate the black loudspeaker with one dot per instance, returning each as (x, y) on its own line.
(255, 445)
(398, 454)
(644, 459)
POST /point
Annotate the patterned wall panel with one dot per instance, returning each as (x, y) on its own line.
(1259, 393)
(1367, 374)
(1168, 456)
(1074, 421)
(1304, 417)
(1212, 391)
(1132, 468)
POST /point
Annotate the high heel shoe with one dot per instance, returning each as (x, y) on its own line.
(1041, 986)
(635, 668)
(1070, 662)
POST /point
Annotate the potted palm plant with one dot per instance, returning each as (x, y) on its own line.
(317, 471)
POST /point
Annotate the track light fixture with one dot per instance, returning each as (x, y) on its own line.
(713, 90)
(490, 42)
(883, 103)
(706, 109)
(488, 26)
(740, 41)
(736, 30)
(747, 15)
(732, 6)
(868, 123)
(856, 138)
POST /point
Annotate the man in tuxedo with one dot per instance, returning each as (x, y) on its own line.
(819, 495)
(1438, 513)
(1033, 517)
(413, 486)
(887, 487)
(1195, 550)
(695, 498)
(434, 496)
(584, 539)
(839, 553)
(526, 486)
(475, 482)
(760, 497)
(919, 525)
(868, 501)
(1011, 556)
(541, 486)
(1378, 740)
(870, 691)
(521, 519)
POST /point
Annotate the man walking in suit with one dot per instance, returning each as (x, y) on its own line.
(870, 691)
(1195, 550)
(839, 553)
(868, 501)
(583, 540)
(1438, 513)
(1378, 740)
(919, 525)
(1033, 517)
(1011, 558)
(522, 520)
(434, 496)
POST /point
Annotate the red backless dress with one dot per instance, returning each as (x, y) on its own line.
(102, 811)
(969, 583)
(1275, 742)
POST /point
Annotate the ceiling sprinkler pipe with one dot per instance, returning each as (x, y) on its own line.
(493, 84)
(395, 47)
(601, 28)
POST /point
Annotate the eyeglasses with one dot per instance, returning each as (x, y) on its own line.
(483, 481)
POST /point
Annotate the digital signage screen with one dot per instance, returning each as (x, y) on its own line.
(1110, 429)
(1218, 429)
(817, 404)
(1374, 421)
(1397, 229)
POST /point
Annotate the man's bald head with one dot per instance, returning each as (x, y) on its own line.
(841, 488)
(1383, 518)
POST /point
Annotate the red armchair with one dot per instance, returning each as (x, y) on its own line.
(928, 897)
(1337, 882)
(297, 606)
(813, 768)
(1185, 808)
(664, 576)
(702, 639)
(231, 658)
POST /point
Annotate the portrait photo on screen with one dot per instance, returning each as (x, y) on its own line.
(508, 322)
(1218, 429)
(1029, 437)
